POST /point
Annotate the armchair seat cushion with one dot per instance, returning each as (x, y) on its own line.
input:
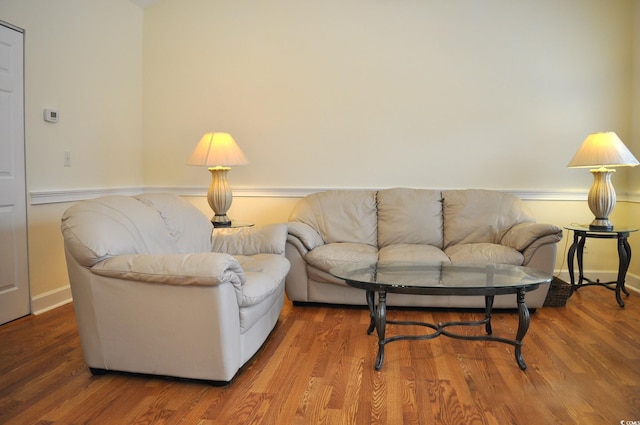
(264, 272)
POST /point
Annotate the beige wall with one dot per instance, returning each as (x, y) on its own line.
(634, 143)
(494, 94)
(633, 217)
(83, 58)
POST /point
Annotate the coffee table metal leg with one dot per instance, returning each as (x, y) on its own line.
(372, 311)
(381, 323)
(581, 243)
(523, 325)
(488, 307)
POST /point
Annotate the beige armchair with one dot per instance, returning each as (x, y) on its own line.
(155, 292)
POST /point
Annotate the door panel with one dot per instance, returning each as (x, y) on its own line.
(14, 271)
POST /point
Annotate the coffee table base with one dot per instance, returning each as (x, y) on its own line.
(379, 322)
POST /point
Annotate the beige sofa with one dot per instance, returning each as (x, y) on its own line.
(155, 293)
(401, 224)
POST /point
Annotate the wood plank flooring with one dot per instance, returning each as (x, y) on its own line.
(317, 368)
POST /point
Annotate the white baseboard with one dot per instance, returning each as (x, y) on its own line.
(61, 296)
(632, 282)
(50, 300)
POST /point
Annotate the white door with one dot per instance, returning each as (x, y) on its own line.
(14, 271)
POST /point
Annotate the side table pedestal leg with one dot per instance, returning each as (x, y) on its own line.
(624, 257)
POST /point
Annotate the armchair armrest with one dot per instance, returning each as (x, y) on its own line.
(303, 236)
(266, 239)
(202, 269)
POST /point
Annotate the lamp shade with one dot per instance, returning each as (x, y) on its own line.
(217, 149)
(603, 150)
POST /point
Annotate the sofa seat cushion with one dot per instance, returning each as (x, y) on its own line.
(484, 253)
(330, 255)
(412, 252)
(317, 275)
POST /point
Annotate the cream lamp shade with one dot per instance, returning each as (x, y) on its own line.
(599, 151)
(218, 151)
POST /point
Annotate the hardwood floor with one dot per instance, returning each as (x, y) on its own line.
(317, 368)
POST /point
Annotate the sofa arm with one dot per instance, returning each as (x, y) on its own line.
(201, 269)
(303, 236)
(522, 235)
(266, 239)
(528, 237)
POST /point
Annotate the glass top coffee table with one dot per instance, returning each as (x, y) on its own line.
(455, 279)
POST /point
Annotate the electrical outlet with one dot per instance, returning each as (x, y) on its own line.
(67, 159)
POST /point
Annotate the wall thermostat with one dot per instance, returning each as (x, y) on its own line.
(50, 115)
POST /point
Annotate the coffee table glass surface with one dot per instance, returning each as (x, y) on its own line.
(441, 278)
(460, 279)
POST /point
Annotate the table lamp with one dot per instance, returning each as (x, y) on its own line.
(218, 151)
(602, 150)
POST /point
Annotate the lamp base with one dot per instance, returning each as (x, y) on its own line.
(601, 199)
(601, 225)
(219, 196)
(221, 221)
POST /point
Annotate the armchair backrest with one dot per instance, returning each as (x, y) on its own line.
(96, 229)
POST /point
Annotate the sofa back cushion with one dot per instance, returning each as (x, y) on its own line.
(340, 215)
(480, 216)
(409, 216)
(97, 229)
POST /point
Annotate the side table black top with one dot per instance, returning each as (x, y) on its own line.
(233, 225)
(580, 235)
(615, 231)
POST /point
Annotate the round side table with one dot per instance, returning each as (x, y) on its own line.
(580, 235)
